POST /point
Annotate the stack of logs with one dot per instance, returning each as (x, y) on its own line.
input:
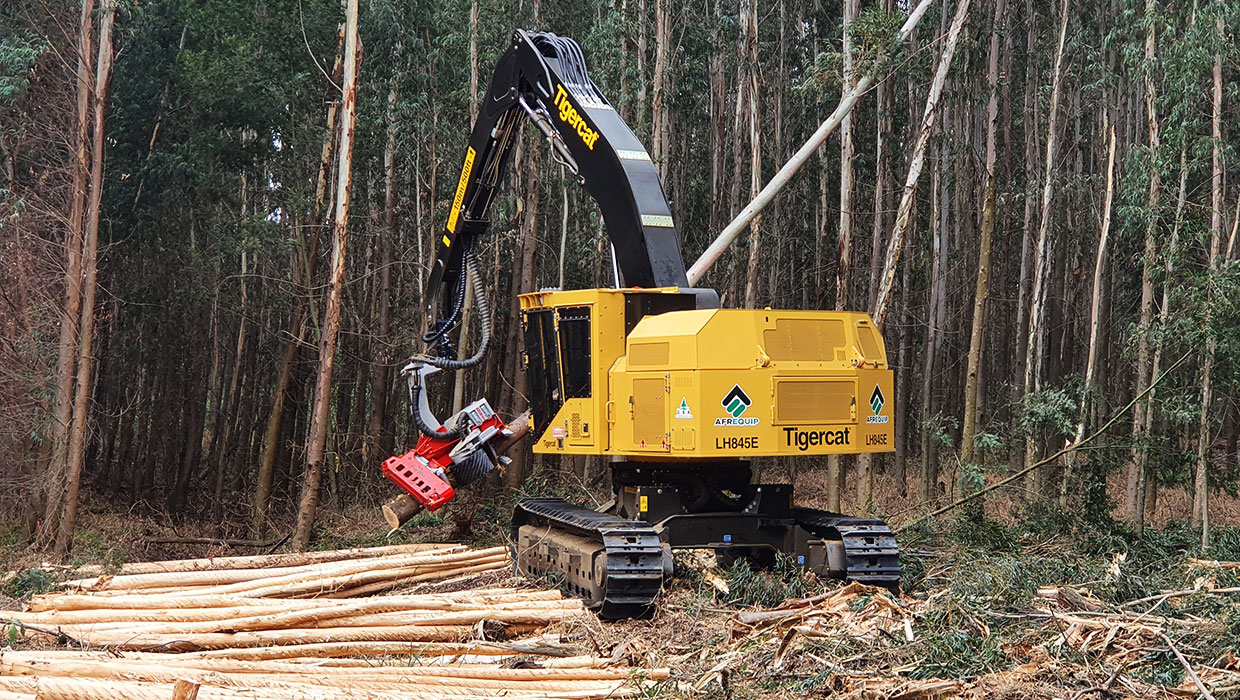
(341, 573)
(77, 675)
(284, 626)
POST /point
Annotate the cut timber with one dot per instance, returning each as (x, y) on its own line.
(60, 688)
(399, 509)
(313, 578)
(255, 624)
(185, 690)
(260, 617)
(237, 575)
(266, 560)
(76, 602)
(328, 650)
(127, 640)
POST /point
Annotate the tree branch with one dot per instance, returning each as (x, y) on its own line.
(1071, 447)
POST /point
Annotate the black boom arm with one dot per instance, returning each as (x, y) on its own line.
(543, 77)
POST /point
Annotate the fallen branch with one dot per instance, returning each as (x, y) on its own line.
(1070, 447)
(1188, 668)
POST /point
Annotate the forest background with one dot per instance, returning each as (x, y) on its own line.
(179, 241)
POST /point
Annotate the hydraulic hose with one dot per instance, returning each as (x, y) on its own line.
(415, 393)
(484, 318)
(437, 337)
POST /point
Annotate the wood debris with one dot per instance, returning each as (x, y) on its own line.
(859, 611)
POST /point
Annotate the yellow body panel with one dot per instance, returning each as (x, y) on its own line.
(722, 383)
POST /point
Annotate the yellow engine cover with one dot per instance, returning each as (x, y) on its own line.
(715, 383)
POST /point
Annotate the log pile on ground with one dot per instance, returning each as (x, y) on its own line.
(284, 626)
(75, 675)
(345, 573)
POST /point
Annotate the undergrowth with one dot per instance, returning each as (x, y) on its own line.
(29, 583)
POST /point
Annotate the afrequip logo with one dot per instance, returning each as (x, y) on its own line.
(736, 403)
(876, 403)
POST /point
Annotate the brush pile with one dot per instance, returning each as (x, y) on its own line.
(293, 626)
(858, 611)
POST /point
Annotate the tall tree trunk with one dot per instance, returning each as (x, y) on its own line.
(1147, 489)
(882, 302)
(982, 294)
(755, 154)
(847, 151)
(234, 383)
(1024, 282)
(1033, 357)
(90, 248)
(67, 348)
(642, 23)
(524, 280)
(935, 313)
(843, 269)
(1095, 323)
(1142, 415)
(304, 260)
(882, 164)
(317, 442)
(1201, 480)
(659, 124)
(381, 375)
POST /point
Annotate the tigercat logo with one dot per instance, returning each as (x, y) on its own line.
(569, 115)
(736, 403)
(805, 439)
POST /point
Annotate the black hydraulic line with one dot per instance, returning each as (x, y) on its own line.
(484, 318)
(484, 342)
(437, 338)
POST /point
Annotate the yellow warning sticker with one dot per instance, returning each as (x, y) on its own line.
(461, 184)
(644, 504)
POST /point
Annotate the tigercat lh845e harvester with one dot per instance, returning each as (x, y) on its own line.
(675, 393)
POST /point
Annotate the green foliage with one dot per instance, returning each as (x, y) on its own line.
(958, 653)
(14, 631)
(752, 585)
(874, 34)
(18, 53)
(29, 583)
(941, 428)
(1051, 410)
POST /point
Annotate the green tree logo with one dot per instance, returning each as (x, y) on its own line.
(736, 401)
(876, 400)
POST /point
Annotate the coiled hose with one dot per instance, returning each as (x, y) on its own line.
(484, 318)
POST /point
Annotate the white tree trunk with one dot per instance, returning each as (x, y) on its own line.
(882, 302)
(317, 441)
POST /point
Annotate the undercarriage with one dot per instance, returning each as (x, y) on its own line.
(617, 559)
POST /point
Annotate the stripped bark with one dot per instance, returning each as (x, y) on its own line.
(68, 345)
(1134, 505)
(1201, 480)
(317, 442)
